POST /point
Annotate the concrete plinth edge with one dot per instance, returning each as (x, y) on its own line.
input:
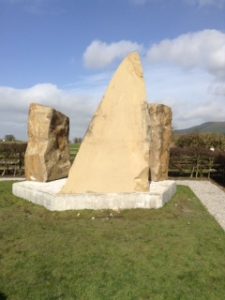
(47, 195)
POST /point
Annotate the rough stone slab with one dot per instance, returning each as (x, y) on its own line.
(47, 195)
(47, 155)
(160, 136)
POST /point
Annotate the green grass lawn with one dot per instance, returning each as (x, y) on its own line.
(73, 150)
(177, 252)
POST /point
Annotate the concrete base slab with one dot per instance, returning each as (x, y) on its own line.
(47, 195)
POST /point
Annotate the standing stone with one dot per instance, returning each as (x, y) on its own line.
(160, 136)
(47, 156)
(114, 156)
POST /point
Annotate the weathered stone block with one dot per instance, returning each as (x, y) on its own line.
(160, 136)
(114, 155)
(47, 156)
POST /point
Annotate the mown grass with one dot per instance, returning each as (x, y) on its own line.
(176, 252)
(73, 150)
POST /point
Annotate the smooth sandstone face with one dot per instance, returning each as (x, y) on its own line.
(47, 156)
(114, 155)
(160, 135)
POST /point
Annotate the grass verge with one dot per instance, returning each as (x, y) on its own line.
(176, 252)
(73, 151)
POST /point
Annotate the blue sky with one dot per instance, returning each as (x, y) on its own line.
(63, 54)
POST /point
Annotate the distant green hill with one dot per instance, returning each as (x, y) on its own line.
(208, 127)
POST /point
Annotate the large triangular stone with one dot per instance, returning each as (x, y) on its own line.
(114, 155)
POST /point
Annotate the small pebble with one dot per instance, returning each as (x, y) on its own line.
(93, 218)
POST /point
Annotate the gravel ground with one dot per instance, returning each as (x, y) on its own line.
(211, 196)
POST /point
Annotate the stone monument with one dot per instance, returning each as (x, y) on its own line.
(114, 155)
(126, 139)
(47, 156)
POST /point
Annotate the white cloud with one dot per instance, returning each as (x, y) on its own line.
(139, 2)
(37, 7)
(217, 89)
(193, 95)
(15, 103)
(186, 73)
(199, 3)
(100, 54)
(204, 49)
(192, 76)
(190, 94)
(204, 3)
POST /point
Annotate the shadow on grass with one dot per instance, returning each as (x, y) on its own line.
(2, 296)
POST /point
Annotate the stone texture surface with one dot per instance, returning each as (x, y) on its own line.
(160, 136)
(47, 156)
(114, 155)
(46, 194)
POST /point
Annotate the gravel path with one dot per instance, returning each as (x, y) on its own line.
(211, 196)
